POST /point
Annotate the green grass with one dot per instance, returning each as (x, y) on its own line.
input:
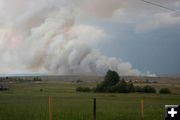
(24, 101)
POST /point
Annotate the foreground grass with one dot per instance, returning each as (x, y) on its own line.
(25, 101)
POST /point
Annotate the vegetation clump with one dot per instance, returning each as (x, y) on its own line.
(79, 81)
(3, 88)
(37, 79)
(113, 84)
(41, 90)
(164, 91)
(83, 89)
(148, 89)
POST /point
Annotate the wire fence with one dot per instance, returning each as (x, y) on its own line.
(58, 108)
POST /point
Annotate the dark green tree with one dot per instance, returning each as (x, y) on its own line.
(111, 78)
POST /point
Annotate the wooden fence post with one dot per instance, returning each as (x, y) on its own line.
(50, 107)
(142, 108)
(94, 109)
(57, 108)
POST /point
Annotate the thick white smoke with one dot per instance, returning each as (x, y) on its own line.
(43, 36)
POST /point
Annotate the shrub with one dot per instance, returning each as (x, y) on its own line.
(148, 89)
(138, 89)
(120, 88)
(37, 79)
(123, 87)
(83, 89)
(2, 88)
(164, 91)
(100, 88)
(79, 81)
(131, 87)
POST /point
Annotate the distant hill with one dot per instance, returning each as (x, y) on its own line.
(74, 78)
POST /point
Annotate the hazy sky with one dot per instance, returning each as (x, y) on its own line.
(145, 35)
(89, 37)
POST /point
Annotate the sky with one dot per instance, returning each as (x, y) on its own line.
(145, 35)
(88, 37)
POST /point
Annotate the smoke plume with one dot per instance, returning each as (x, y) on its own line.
(44, 36)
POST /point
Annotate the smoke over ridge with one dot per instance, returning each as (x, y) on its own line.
(45, 37)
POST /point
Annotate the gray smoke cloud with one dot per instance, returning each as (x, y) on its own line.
(43, 36)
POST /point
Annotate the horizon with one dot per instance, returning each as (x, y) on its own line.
(42, 74)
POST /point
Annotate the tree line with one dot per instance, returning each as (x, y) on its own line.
(113, 83)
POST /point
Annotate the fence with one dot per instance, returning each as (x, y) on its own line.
(59, 108)
(94, 108)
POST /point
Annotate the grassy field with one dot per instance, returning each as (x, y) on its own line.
(25, 101)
